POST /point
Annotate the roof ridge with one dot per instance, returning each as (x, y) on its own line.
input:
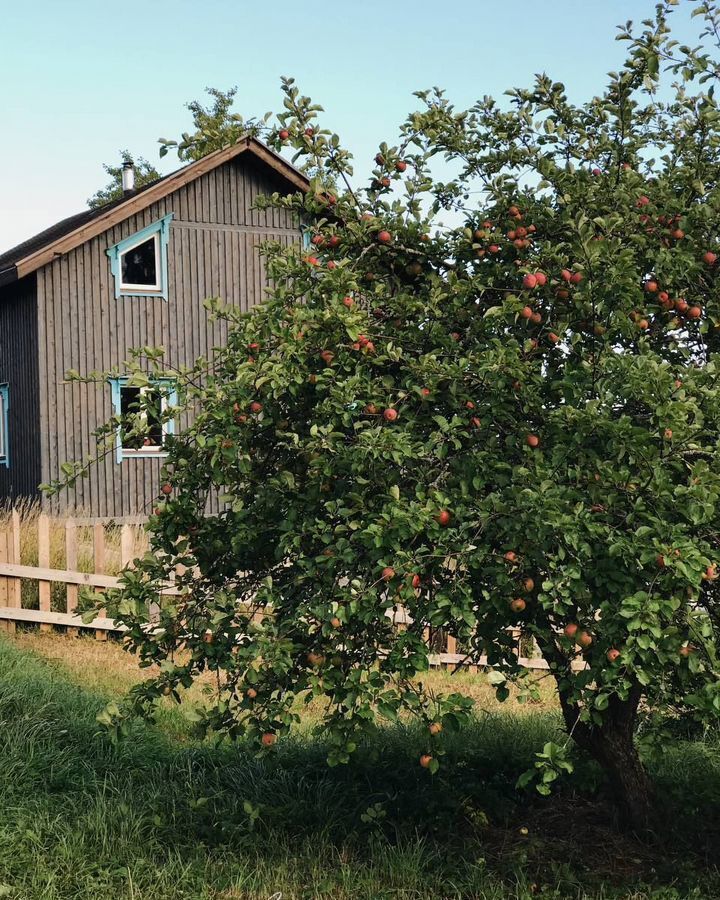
(63, 236)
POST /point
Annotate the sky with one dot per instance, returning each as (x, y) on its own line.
(81, 80)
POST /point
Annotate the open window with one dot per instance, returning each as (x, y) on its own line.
(143, 411)
(139, 262)
(4, 436)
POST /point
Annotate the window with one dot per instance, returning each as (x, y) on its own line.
(4, 438)
(144, 426)
(139, 262)
(139, 266)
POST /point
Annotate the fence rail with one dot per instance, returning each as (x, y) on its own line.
(46, 594)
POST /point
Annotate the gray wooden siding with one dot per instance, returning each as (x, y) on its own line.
(19, 368)
(213, 251)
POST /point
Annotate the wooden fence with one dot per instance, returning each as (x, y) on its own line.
(46, 594)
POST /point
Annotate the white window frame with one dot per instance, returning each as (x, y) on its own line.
(168, 398)
(4, 436)
(155, 288)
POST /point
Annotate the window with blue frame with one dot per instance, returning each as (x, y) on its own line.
(139, 263)
(4, 435)
(143, 411)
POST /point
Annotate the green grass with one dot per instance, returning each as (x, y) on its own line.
(164, 817)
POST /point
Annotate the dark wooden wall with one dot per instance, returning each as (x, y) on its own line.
(19, 368)
(213, 251)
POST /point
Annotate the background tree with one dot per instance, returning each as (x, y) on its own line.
(513, 422)
(145, 173)
(216, 126)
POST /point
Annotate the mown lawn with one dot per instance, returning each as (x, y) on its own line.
(165, 817)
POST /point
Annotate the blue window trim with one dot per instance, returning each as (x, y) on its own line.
(5, 394)
(168, 427)
(162, 229)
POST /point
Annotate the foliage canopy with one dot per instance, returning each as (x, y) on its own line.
(512, 421)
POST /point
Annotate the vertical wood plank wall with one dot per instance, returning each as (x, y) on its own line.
(213, 251)
(19, 369)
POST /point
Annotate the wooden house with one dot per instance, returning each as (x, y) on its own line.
(132, 273)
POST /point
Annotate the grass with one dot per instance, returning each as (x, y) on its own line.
(166, 817)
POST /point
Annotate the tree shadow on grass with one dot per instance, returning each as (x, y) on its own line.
(99, 811)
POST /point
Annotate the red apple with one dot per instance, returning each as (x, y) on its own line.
(517, 605)
(443, 518)
(388, 573)
(694, 312)
(327, 356)
(384, 237)
(532, 440)
(709, 258)
(576, 277)
(256, 407)
(510, 556)
(435, 728)
(390, 414)
(541, 278)
(426, 760)
(612, 654)
(570, 630)
(166, 489)
(416, 581)
(667, 434)
(400, 165)
(348, 301)
(284, 134)
(526, 312)
(268, 739)
(566, 274)
(584, 639)
(529, 281)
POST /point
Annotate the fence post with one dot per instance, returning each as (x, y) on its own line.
(13, 552)
(4, 584)
(71, 563)
(44, 587)
(127, 545)
(99, 561)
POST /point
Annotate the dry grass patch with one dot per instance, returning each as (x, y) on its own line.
(109, 668)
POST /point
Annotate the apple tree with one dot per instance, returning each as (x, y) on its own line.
(489, 400)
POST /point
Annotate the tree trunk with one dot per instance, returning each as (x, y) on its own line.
(612, 745)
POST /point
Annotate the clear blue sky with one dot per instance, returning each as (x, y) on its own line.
(82, 79)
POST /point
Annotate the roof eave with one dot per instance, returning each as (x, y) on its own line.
(8, 276)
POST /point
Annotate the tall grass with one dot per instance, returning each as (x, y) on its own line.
(164, 815)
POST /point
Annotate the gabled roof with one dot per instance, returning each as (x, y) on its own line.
(75, 230)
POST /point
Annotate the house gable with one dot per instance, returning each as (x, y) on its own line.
(213, 249)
